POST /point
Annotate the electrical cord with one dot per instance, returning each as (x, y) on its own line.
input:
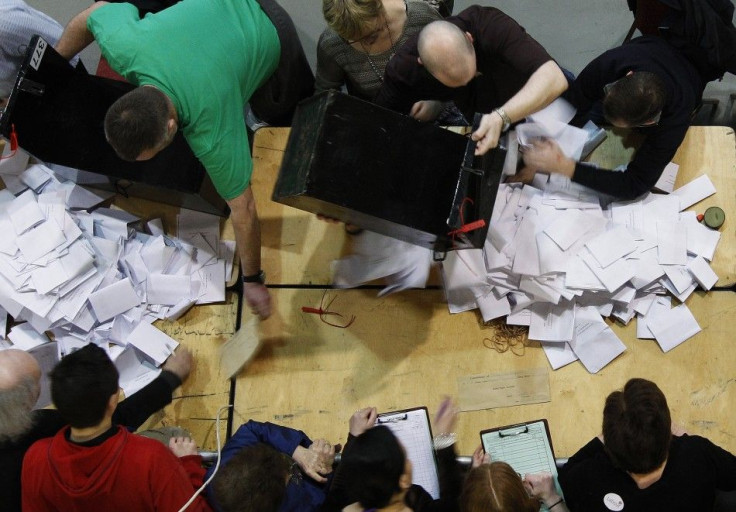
(217, 464)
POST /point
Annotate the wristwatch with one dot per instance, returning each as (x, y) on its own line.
(259, 277)
(504, 117)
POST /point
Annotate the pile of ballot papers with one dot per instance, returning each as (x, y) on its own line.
(559, 261)
(88, 274)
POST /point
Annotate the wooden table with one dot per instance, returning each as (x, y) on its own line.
(298, 248)
(406, 350)
(202, 330)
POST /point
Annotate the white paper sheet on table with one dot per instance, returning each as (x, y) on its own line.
(114, 299)
(695, 191)
(47, 355)
(135, 373)
(155, 344)
(672, 327)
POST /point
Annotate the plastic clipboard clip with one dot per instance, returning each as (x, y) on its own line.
(393, 419)
(511, 431)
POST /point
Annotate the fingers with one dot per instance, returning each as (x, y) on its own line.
(372, 416)
(415, 109)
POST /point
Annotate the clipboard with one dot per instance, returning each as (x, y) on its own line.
(526, 447)
(412, 428)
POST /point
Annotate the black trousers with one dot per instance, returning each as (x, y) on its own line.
(276, 100)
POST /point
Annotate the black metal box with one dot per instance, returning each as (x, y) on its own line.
(58, 113)
(386, 172)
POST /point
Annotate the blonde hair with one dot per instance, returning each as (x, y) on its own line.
(349, 18)
(495, 487)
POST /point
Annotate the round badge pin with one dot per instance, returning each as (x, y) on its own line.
(613, 501)
(714, 217)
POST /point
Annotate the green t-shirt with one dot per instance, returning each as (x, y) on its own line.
(208, 56)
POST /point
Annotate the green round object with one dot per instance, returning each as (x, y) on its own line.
(714, 217)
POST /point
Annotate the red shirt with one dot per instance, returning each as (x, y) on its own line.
(126, 472)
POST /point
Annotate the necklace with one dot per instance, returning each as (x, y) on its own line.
(392, 49)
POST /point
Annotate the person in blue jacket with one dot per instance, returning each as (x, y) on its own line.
(271, 468)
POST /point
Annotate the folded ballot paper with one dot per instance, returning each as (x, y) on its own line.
(558, 261)
(92, 275)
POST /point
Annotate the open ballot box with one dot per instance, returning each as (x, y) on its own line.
(58, 113)
(365, 165)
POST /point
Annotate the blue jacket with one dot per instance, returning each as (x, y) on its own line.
(302, 495)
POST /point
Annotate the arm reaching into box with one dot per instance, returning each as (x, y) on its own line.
(76, 36)
(248, 236)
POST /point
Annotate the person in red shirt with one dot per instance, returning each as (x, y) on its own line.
(93, 465)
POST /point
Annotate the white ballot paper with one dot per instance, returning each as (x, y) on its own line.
(155, 344)
(112, 300)
(670, 328)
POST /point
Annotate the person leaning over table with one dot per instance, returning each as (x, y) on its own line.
(483, 61)
(21, 426)
(93, 464)
(361, 37)
(645, 84)
(375, 474)
(641, 462)
(197, 64)
(269, 468)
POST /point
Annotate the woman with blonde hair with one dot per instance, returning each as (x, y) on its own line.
(496, 487)
(363, 35)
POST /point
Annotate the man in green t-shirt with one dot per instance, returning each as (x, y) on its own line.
(196, 65)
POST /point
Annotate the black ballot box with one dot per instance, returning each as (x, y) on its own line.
(58, 113)
(388, 173)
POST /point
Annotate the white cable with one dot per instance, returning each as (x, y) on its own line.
(217, 465)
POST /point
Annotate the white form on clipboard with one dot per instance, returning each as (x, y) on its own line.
(526, 447)
(412, 429)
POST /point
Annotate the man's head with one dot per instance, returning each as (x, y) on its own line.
(375, 468)
(352, 20)
(634, 100)
(140, 124)
(19, 389)
(84, 387)
(447, 53)
(253, 480)
(637, 427)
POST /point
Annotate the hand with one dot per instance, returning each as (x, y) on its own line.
(258, 299)
(426, 110)
(488, 132)
(542, 487)
(480, 457)
(315, 461)
(546, 155)
(362, 420)
(179, 363)
(525, 175)
(182, 446)
(444, 421)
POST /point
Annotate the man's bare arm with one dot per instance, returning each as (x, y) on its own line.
(545, 84)
(76, 37)
(248, 237)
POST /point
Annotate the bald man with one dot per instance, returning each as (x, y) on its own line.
(483, 61)
(21, 426)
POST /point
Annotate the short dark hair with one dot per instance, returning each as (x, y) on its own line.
(637, 427)
(254, 480)
(82, 384)
(137, 121)
(635, 98)
(372, 467)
